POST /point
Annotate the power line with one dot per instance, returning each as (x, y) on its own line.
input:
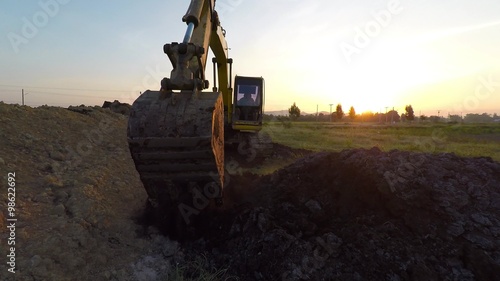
(30, 103)
(65, 89)
(48, 104)
(60, 94)
(69, 95)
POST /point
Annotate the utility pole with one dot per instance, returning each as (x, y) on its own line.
(317, 112)
(22, 95)
(386, 114)
(392, 115)
(331, 104)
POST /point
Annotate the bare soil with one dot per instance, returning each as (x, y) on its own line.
(355, 215)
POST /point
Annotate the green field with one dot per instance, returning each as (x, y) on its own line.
(470, 140)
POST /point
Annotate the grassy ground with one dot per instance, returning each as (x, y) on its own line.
(470, 140)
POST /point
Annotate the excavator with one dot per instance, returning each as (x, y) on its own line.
(177, 135)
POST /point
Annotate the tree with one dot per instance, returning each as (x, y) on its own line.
(393, 116)
(410, 115)
(352, 113)
(404, 117)
(434, 119)
(369, 116)
(339, 113)
(477, 118)
(454, 118)
(294, 111)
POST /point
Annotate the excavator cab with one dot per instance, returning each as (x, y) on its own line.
(248, 103)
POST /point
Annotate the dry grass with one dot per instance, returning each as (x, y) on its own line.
(470, 140)
(199, 270)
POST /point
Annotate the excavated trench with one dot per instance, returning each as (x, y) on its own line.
(359, 215)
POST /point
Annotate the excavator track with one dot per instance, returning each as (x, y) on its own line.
(177, 139)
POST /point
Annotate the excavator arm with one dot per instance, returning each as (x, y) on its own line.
(189, 58)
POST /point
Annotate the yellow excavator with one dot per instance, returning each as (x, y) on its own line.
(177, 135)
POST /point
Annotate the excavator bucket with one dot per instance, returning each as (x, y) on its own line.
(176, 139)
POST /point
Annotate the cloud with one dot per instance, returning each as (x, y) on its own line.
(446, 33)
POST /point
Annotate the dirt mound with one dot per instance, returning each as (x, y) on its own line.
(77, 194)
(117, 107)
(365, 215)
(355, 215)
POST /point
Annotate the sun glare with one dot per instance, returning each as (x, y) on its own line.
(392, 73)
(383, 78)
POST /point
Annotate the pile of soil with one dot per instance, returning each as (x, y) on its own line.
(365, 215)
(77, 197)
(355, 215)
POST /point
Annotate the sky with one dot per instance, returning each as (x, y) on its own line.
(374, 55)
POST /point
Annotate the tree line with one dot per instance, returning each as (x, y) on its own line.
(392, 116)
